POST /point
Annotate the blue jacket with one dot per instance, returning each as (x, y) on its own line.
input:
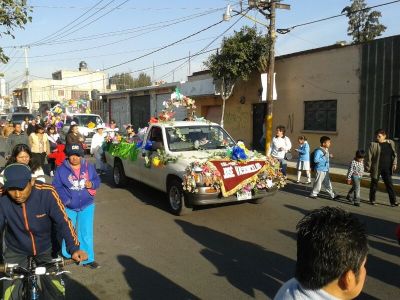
(29, 225)
(321, 160)
(304, 152)
(71, 189)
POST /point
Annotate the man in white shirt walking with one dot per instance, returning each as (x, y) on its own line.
(96, 148)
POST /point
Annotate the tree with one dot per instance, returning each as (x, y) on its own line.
(241, 54)
(13, 15)
(364, 24)
(125, 81)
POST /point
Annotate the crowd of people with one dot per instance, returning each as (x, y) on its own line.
(380, 160)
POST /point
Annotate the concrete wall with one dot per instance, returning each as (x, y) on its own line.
(314, 75)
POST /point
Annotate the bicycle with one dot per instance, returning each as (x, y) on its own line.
(30, 276)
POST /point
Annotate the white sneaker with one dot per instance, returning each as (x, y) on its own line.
(51, 173)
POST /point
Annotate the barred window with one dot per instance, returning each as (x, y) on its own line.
(320, 115)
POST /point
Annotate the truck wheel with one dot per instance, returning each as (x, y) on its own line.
(177, 199)
(119, 174)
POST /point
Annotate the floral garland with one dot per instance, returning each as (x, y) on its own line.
(159, 159)
(177, 100)
(205, 174)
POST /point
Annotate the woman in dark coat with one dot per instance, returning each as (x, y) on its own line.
(381, 160)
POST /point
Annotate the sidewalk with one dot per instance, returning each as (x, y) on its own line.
(338, 173)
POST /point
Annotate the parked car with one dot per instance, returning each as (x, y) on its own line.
(190, 145)
(83, 121)
(19, 117)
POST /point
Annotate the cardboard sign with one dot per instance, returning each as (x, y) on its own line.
(235, 175)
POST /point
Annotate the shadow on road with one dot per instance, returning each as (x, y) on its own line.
(146, 283)
(76, 291)
(377, 267)
(246, 266)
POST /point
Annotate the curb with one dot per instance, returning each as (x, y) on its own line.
(342, 179)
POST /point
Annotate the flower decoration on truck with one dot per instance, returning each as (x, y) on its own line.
(234, 176)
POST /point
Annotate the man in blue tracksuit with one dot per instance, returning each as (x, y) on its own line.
(29, 211)
(321, 160)
(76, 181)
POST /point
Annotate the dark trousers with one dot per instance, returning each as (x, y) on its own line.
(52, 163)
(387, 179)
(39, 158)
(52, 287)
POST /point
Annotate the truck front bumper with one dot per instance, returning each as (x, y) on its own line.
(217, 198)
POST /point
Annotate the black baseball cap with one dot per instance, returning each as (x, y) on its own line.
(17, 176)
(74, 149)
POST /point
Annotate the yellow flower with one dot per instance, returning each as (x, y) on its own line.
(156, 161)
(91, 125)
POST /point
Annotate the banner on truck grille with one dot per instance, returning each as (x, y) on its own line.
(235, 175)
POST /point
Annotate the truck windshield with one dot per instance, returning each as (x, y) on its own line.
(84, 120)
(193, 138)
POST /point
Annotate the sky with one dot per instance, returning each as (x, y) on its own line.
(122, 34)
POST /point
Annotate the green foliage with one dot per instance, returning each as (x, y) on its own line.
(364, 24)
(14, 14)
(240, 55)
(125, 81)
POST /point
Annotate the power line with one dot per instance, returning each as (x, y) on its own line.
(333, 17)
(91, 22)
(130, 8)
(70, 23)
(204, 48)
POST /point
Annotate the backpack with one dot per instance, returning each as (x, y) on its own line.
(313, 165)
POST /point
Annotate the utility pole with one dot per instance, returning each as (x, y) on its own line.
(271, 6)
(28, 96)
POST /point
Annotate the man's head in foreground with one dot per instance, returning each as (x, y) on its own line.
(332, 250)
(18, 182)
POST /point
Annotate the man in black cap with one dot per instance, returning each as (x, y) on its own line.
(28, 212)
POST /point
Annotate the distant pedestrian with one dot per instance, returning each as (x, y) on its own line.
(74, 136)
(381, 161)
(54, 140)
(15, 138)
(25, 124)
(321, 160)
(354, 175)
(303, 161)
(31, 127)
(76, 181)
(96, 149)
(40, 147)
(332, 249)
(281, 145)
(113, 130)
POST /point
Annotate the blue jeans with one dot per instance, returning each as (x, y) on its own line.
(355, 189)
(283, 165)
(83, 223)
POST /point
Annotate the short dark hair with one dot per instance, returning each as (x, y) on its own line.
(302, 138)
(15, 124)
(71, 128)
(38, 127)
(324, 139)
(282, 129)
(381, 131)
(330, 242)
(360, 153)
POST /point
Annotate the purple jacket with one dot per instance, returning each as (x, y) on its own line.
(72, 189)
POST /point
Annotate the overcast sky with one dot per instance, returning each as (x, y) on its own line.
(130, 29)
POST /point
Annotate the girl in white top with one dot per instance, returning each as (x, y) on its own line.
(280, 146)
(22, 154)
(96, 149)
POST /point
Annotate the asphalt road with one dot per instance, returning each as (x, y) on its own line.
(237, 251)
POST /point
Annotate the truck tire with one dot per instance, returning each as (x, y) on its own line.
(176, 198)
(119, 177)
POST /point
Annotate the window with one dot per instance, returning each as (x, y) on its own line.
(76, 95)
(320, 115)
(61, 93)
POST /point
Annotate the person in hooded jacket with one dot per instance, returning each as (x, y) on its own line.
(76, 182)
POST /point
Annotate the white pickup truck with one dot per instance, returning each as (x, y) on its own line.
(187, 143)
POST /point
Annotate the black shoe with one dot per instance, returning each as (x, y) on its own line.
(92, 265)
(336, 197)
(348, 197)
(372, 202)
(394, 204)
(312, 197)
(356, 203)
